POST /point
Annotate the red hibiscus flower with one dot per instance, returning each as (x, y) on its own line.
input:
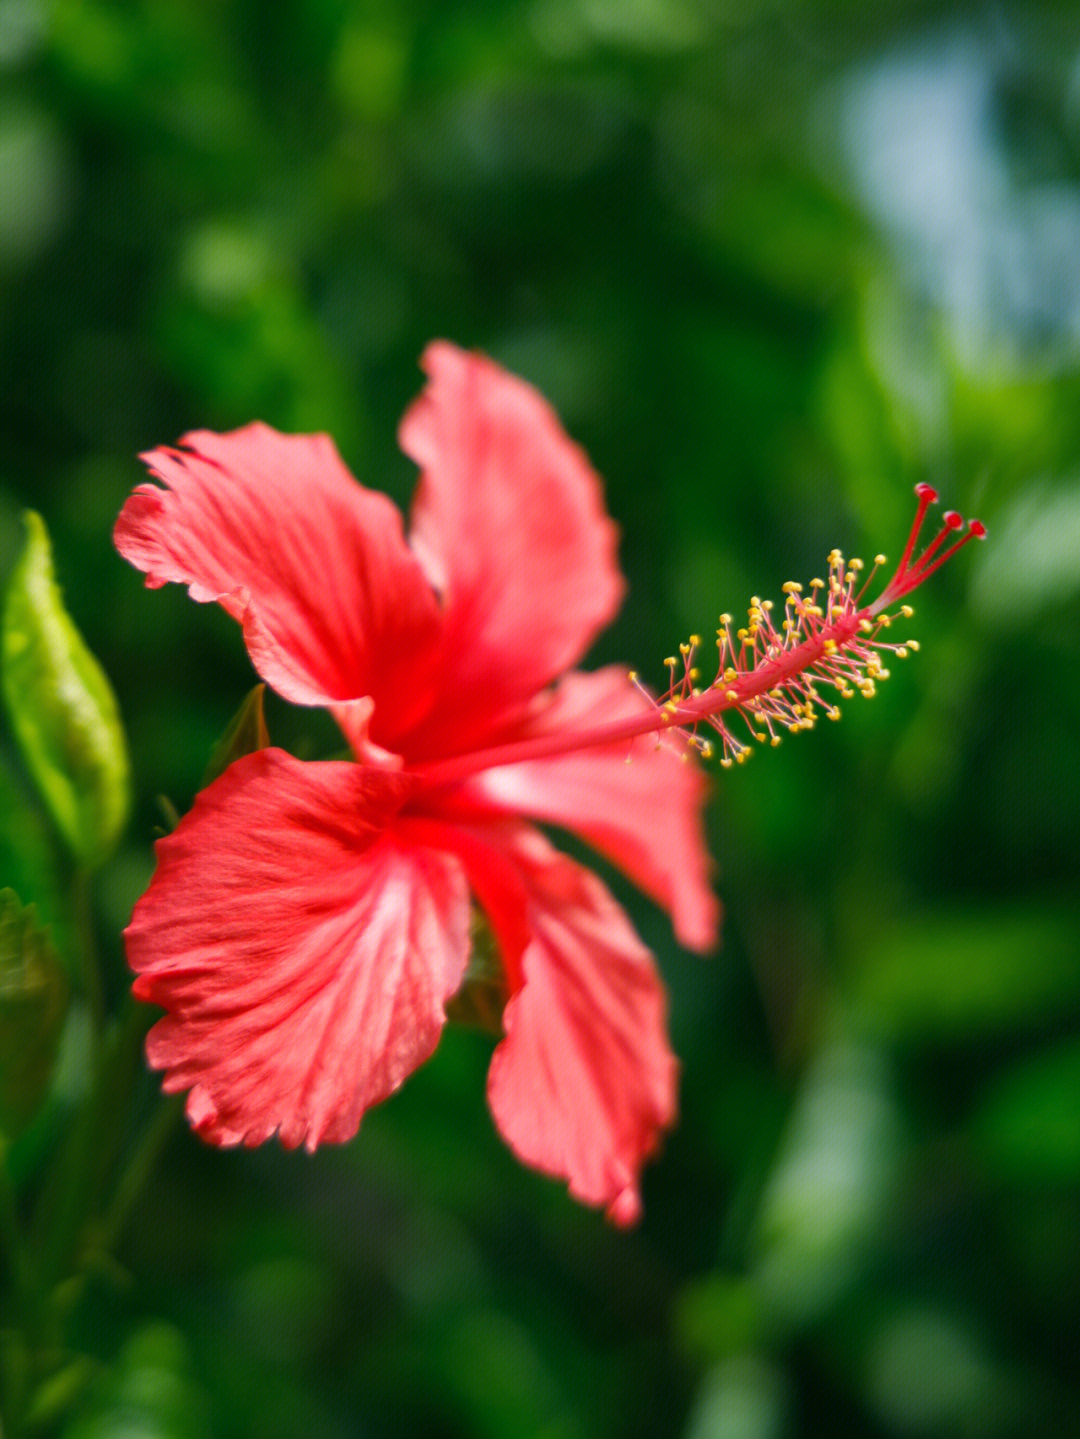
(308, 922)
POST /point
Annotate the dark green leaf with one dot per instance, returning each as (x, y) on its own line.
(246, 733)
(33, 1003)
(1029, 1123)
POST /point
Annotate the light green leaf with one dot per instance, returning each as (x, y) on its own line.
(33, 1004)
(62, 707)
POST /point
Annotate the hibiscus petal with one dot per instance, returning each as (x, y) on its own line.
(639, 804)
(584, 1082)
(334, 604)
(509, 520)
(302, 951)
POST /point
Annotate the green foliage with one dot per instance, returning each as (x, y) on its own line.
(773, 264)
(62, 707)
(33, 1006)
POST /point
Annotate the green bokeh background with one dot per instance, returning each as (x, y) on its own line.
(774, 263)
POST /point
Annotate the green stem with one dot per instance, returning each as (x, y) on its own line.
(138, 1169)
(18, 1260)
(21, 1313)
(86, 947)
(75, 1184)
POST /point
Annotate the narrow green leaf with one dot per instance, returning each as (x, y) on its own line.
(62, 707)
(246, 732)
(33, 1004)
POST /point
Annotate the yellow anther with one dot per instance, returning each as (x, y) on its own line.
(913, 646)
(830, 647)
(906, 611)
(855, 564)
(684, 649)
(865, 627)
(726, 762)
(725, 619)
(775, 740)
(671, 661)
(695, 640)
(817, 584)
(901, 652)
(632, 675)
(834, 713)
(760, 737)
(791, 587)
(732, 695)
(879, 559)
(731, 674)
(695, 673)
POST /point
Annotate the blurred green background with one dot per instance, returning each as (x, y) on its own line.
(774, 262)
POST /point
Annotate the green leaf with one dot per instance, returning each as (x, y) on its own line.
(29, 859)
(246, 733)
(62, 707)
(964, 975)
(147, 1390)
(33, 1005)
(1028, 1125)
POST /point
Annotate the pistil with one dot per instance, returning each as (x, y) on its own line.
(767, 676)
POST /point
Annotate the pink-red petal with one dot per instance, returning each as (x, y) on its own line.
(638, 803)
(510, 523)
(333, 602)
(302, 952)
(584, 1082)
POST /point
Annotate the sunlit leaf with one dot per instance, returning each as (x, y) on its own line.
(33, 1003)
(62, 707)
